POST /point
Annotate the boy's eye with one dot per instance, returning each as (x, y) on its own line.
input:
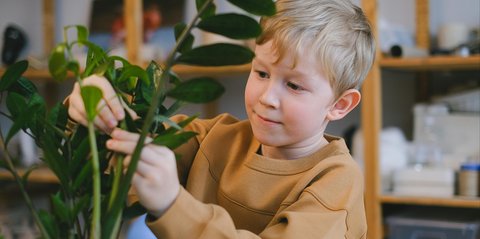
(262, 74)
(294, 86)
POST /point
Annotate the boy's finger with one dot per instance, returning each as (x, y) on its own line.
(121, 134)
(121, 146)
(114, 104)
(77, 116)
(106, 115)
(109, 94)
(100, 124)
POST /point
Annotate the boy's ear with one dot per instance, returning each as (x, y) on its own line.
(344, 104)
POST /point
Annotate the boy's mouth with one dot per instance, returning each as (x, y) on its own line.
(267, 119)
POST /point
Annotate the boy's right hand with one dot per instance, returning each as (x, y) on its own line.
(110, 108)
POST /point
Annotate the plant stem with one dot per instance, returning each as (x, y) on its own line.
(95, 231)
(25, 196)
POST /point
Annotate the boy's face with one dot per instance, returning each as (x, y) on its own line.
(287, 107)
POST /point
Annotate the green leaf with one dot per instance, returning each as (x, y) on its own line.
(174, 78)
(257, 7)
(35, 104)
(120, 59)
(175, 140)
(231, 25)
(209, 11)
(220, 54)
(24, 87)
(81, 150)
(58, 116)
(182, 124)
(198, 90)
(81, 204)
(187, 44)
(60, 209)
(101, 68)
(15, 104)
(49, 223)
(91, 95)
(155, 73)
(162, 119)
(133, 71)
(174, 108)
(58, 63)
(95, 56)
(82, 176)
(13, 73)
(82, 32)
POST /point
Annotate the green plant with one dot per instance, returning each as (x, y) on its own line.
(91, 201)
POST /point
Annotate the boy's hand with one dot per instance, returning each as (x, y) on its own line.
(156, 180)
(110, 107)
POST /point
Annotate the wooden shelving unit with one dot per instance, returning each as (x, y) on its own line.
(44, 75)
(432, 63)
(372, 118)
(40, 175)
(457, 201)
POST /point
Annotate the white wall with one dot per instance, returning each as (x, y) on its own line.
(28, 15)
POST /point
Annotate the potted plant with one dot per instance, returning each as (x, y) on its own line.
(91, 200)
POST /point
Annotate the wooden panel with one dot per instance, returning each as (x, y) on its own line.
(433, 63)
(40, 175)
(466, 202)
(134, 29)
(371, 126)
(48, 26)
(185, 70)
(423, 24)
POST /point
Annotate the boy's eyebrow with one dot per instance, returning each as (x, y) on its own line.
(291, 72)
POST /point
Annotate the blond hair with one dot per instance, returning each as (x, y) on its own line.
(336, 31)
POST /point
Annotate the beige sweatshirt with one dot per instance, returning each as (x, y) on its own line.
(230, 191)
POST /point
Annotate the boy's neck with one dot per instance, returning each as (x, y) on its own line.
(292, 152)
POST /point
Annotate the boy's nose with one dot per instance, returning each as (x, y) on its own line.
(270, 96)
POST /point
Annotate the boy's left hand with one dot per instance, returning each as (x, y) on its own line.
(155, 180)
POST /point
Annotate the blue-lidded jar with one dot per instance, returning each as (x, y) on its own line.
(469, 180)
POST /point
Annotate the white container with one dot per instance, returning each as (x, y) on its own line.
(428, 182)
(469, 180)
(452, 35)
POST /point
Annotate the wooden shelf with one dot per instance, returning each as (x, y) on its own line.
(432, 63)
(211, 71)
(456, 201)
(32, 73)
(40, 175)
(182, 70)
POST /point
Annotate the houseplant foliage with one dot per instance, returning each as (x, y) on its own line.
(93, 186)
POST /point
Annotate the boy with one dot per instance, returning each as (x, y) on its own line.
(276, 175)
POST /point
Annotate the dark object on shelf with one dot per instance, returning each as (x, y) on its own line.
(405, 51)
(14, 40)
(414, 225)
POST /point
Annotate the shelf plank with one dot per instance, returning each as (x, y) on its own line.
(179, 69)
(432, 63)
(39, 175)
(212, 71)
(33, 74)
(457, 201)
